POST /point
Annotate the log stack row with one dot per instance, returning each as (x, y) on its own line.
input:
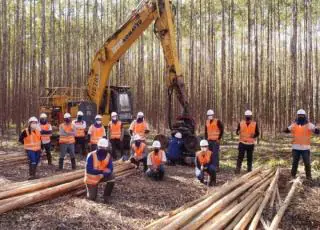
(20, 194)
(235, 205)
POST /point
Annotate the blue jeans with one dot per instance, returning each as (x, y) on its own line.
(66, 148)
(34, 157)
(156, 174)
(211, 169)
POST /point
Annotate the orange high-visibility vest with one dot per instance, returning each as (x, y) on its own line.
(97, 165)
(213, 130)
(301, 134)
(115, 130)
(247, 132)
(45, 138)
(32, 141)
(138, 151)
(96, 134)
(80, 128)
(66, 139)
(156, 160)
(204, 157)
(140, 128)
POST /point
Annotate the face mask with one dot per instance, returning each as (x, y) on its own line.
(138, 143)
(33, 126)
(67, 120)
(156, 150)
(114, 118)
(43, 121)
(80, 118)
(98, 122)
(248, 118)
(204, 148)
(210, 117)
(139, 120)
(102, 151)
(301, 119)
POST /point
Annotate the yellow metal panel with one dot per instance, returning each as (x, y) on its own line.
(105, 120)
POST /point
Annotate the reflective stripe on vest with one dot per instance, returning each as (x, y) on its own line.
(139, 128)
(96, 134)
(45, 138)
(247, 132)
(67, 139)
(213, 130)
(138, 151)
(80, 128)
(97, 165)
(156, 160)
(301, 134)
(32, 141)
(115, 130)
(204, 157)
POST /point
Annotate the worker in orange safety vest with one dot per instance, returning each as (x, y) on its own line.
(46, 133)
(80, 126)
(115, 135)
(156, 160)
(95, 132)
(140, 127)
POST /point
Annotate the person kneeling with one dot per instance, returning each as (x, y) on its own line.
(205, 164)
(156, 161)
(99, 168)
(139, 153)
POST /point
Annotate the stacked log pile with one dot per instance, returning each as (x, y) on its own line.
(21, 194)
(235, 205)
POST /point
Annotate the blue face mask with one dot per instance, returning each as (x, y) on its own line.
(67, 120)
(102, 152)
(43, 121)
(139, 120)
(138, 143)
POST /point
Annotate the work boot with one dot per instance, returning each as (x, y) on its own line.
(308, 172)
(49, 157)
(212, 181)
(108, 190)
(60, 164)
(237, 171)
(30, 169)
(73, 163)
(32, 172)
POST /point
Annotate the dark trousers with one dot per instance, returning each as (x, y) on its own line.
(156, 174)
(214, 147)
(47, 148)
(116, 144)
(243, 149)
(305, 154)
(137, 162)
(93, 147)
(80, 147)
(92, 190)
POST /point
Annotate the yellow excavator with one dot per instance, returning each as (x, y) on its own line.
(100, 97)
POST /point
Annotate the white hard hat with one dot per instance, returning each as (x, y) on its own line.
(140, 115)
(156, 144)
(32, 119)
(98, 117)
(301, 112)
(103, 143)
(113, 114)
(79, 113)
(178, 135)
(43, 115)
(248, 113)
(136, 137)
(210, 112)
(67, 115)
(204, 143)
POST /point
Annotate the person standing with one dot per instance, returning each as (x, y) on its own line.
(115, 135)
(46, 133)
(213, 133)
(204, 163)
(67, 134)
(80, 126)
(31, 140)
(139, 126)
(95, 132)
(301, 130)
(248, 131)
(99, 169)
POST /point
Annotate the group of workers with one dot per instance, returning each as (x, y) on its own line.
(104, 146)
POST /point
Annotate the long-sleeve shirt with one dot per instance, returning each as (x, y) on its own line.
(23, 135)
(90, 169)
(62, 132)
(220, 126)
(256, 134)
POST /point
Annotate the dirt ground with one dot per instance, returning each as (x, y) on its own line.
(137, 201)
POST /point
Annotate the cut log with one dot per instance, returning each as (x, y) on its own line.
(273, 197)
(271, 188)
(276, 220)
(184, 217)
(248, 216)
(220, 204)
(219, 224)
